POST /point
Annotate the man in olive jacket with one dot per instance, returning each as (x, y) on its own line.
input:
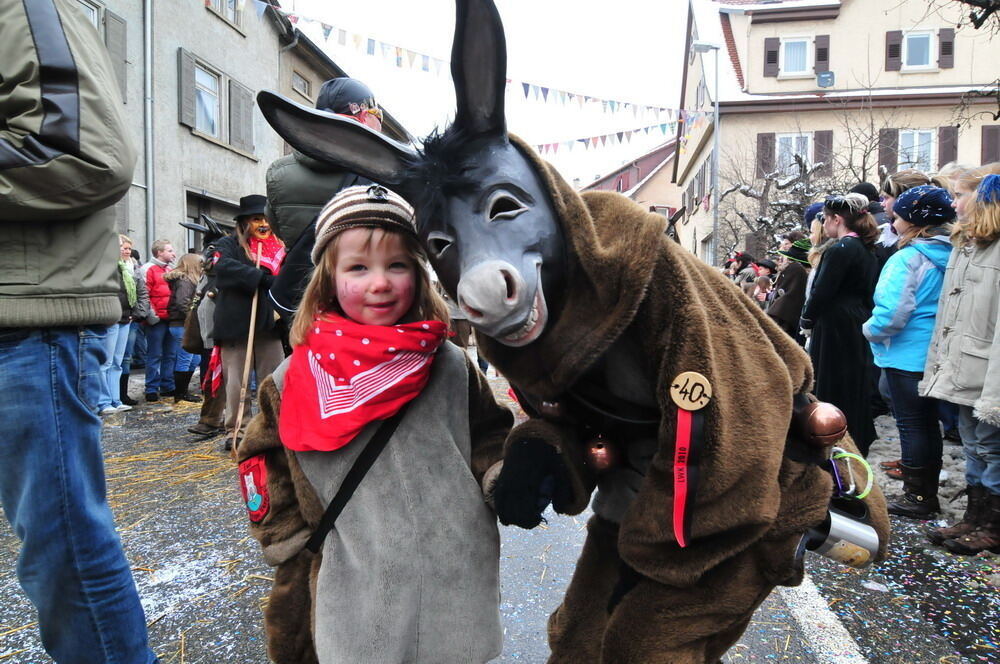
(298, 187)
(65, 159)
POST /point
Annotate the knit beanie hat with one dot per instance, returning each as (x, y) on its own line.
(338, 94)
(811, 212)
(798, 252)
(925, 205)
(362, 207)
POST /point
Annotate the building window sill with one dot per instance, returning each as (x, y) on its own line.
(225, 20)
(223, 144)
(919, 70)
(793, 77)
(304, 96)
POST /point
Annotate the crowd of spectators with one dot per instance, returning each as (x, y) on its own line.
(895, 294)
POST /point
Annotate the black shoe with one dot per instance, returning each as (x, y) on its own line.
(152, 396)
(951, 435)
(193, 398)
(919, 499)
(205, 430)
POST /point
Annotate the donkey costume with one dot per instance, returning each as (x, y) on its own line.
(598, 320)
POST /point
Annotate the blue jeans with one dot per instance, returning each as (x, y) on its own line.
(982, 451)
(134, 333)
(71, 564)
(916, 418)
(111, 370)
(185, 361)
(160, 350)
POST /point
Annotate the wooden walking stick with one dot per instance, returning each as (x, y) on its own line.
(249, 358)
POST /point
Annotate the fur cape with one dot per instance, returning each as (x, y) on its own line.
(627, 274)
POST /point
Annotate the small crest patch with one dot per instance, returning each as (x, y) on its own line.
(253, 484)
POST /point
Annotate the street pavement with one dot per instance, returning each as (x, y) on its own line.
(203, 582)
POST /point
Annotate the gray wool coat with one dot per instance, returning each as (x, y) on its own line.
(410, 574)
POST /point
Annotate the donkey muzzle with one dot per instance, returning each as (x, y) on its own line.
(497, 301)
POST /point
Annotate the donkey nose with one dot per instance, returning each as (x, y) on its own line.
(490, 291)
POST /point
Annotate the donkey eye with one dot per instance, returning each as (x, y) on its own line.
(438, 243)
(505, 207)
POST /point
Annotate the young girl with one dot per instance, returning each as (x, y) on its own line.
(409, 573)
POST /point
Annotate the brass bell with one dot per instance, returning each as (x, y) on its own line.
(601, 455)
(822, 424)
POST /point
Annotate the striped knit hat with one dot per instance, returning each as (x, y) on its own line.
(362, 207)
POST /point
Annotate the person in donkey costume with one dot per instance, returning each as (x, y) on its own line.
(410, 573)
(630, 356)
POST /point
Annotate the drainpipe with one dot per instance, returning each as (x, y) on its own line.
(147, 114)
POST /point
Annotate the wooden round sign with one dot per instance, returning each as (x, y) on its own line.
(691, 391)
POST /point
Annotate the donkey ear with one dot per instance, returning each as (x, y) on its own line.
(337, 141)
(479, 67)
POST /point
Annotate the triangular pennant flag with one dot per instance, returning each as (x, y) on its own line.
(438, 63)
(604, 139)
(579, 100)
(635, 111)
(536, 92)
(613, 105)
(399, 56)
(628, 136)
(411, 56)
(646, 130)
(663, 128)
(604, 106)
(595, 139)
(555, 147)
(527, 87)
(342, 37)
(425, 62)
(620, 134)
(545, 94)
(326, 31)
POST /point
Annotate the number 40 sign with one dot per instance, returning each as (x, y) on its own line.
(691, 391)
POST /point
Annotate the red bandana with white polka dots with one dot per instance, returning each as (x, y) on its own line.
(347, 374)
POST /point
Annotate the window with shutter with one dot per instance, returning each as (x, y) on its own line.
(917, 48)
(947, 145)
(771, 47)
(823, 151)
(894, 50)
(795, 57)
(946, 48)
(991, 144)
(822, 53)
(789, 145)
(765, 154)
(916, 149)
(185, 85)
(114, 39)
(240, 117)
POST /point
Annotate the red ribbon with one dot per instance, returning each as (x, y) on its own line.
(682, 455)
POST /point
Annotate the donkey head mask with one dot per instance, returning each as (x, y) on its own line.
(484, 214)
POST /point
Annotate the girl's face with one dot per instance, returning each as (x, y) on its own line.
(901, 225)
(832, 224)
(126, 252)
(887, 203)
(962, 198)
(375, 276)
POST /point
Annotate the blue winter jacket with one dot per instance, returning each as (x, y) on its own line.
(906, 303)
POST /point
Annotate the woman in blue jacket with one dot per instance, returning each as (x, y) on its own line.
(900, 330)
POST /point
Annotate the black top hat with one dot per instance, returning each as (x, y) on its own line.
(252, 204)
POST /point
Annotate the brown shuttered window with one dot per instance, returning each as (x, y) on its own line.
(946, 48)
(771, 47)
(240, 117)
(822, 59)
(894, 50)
(947, 145)
(991, 144)
(114, 39)
(765, 154)
(185, 88)
(888, 149)
(823, 151)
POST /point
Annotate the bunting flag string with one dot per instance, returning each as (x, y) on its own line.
(404, 57)
(614, 138)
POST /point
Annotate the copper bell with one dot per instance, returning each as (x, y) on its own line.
(601, 454)
(822, 424)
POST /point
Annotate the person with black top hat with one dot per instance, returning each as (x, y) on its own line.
(298, 187)
(246, 263)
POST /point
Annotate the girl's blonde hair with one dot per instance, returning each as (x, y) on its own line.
(945, 176)
(188, 267)
(122, 239)
(982, 219)
(898, 182)
(320, 295)
(917, 232)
